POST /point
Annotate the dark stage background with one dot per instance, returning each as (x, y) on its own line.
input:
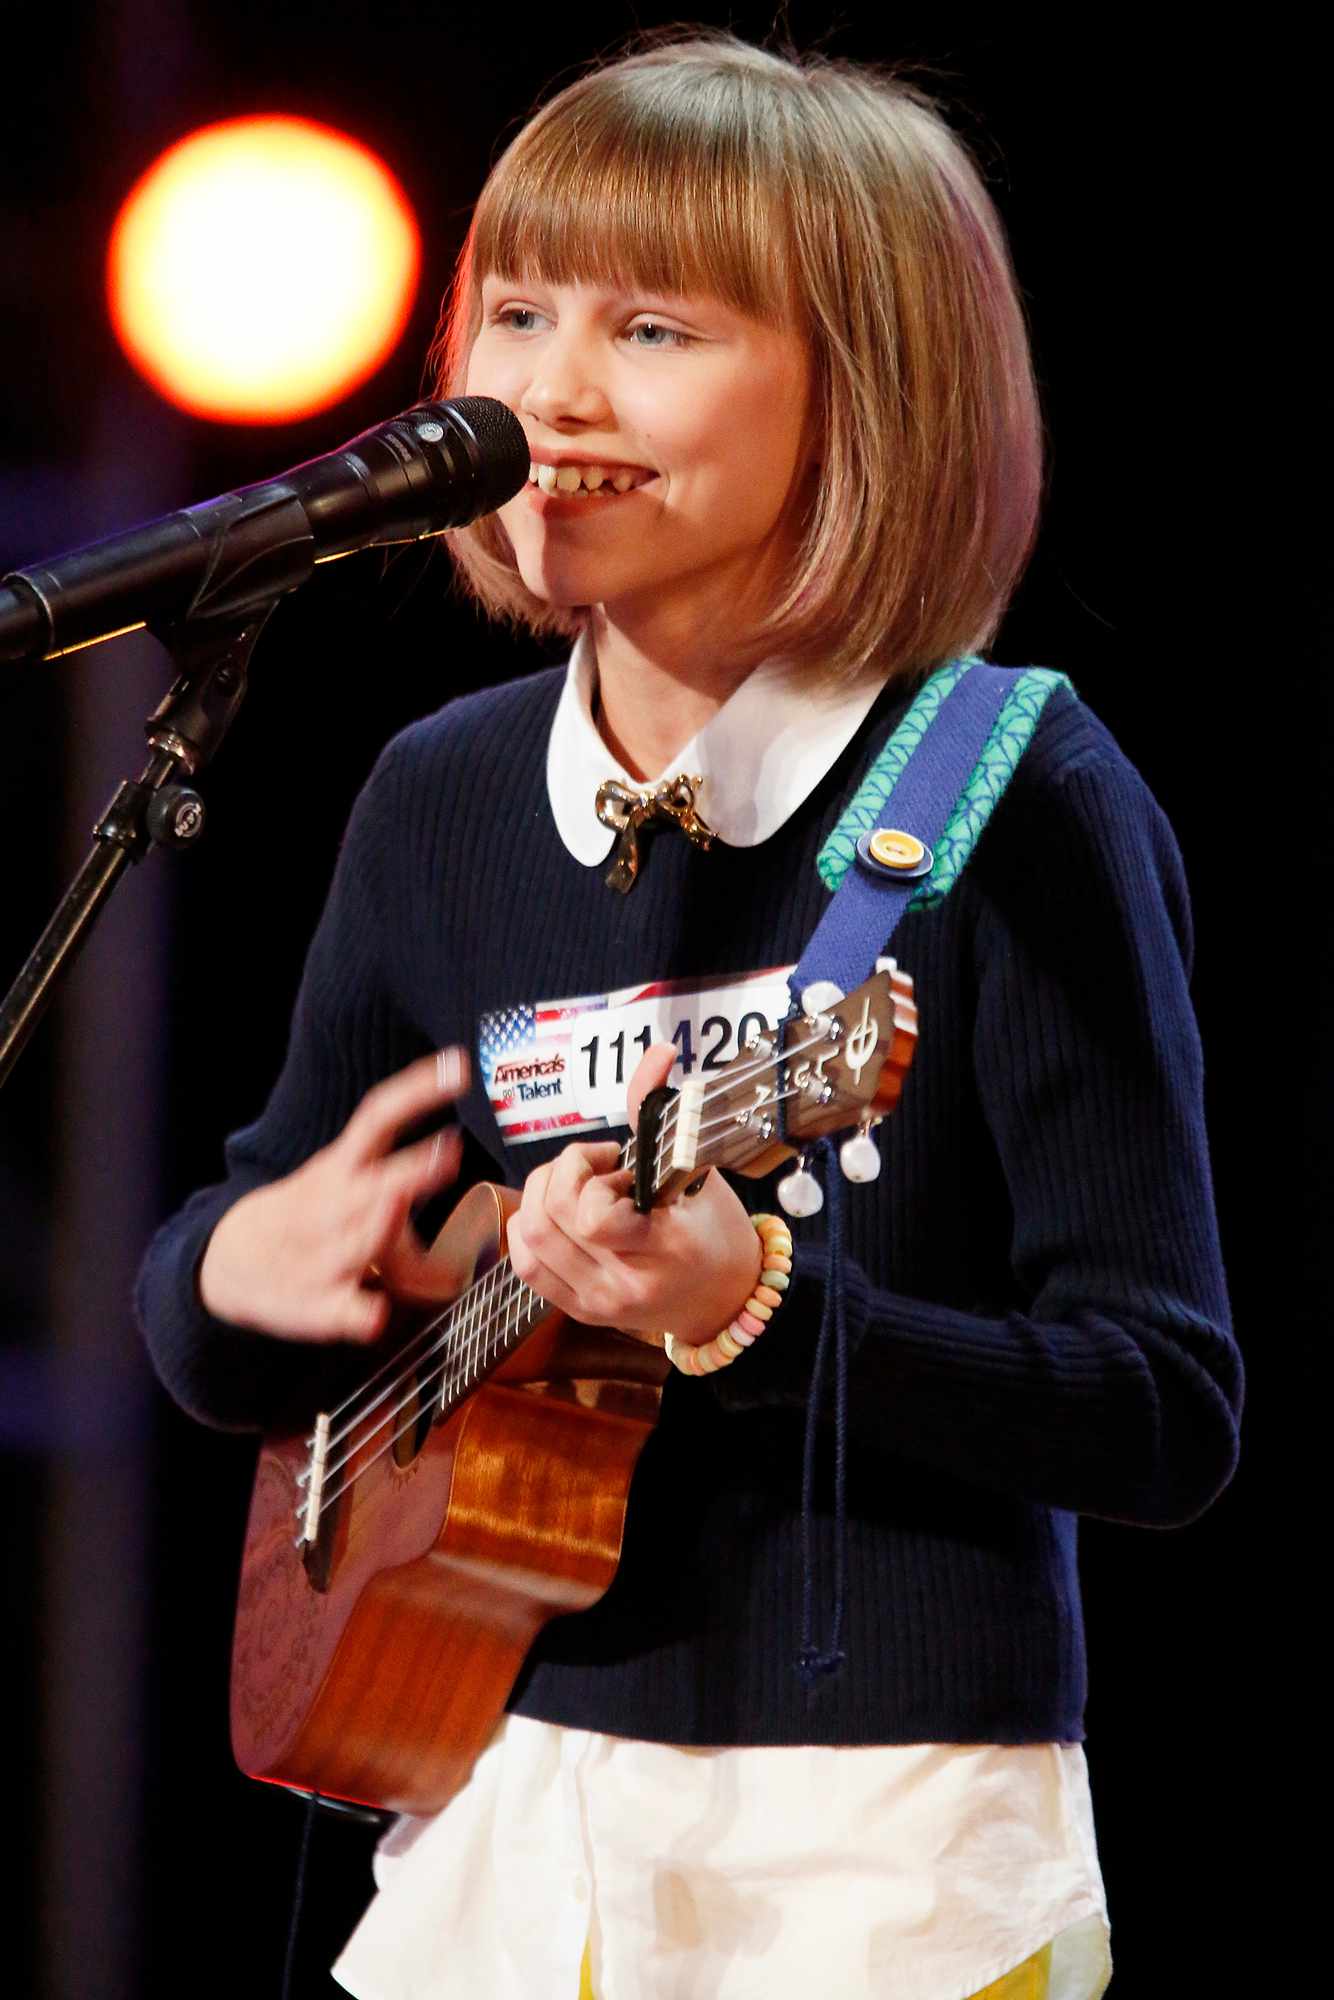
(1152, 186)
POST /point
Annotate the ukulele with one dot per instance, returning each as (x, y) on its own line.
(401, 1558)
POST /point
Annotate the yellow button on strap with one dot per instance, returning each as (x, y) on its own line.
(891, 851)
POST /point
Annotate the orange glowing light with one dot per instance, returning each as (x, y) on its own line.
(261, 269)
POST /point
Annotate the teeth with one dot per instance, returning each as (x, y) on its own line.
(586, 479)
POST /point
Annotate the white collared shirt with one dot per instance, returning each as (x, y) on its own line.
(758, 756)
(918, 1871)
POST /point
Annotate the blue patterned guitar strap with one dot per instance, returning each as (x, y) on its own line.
(901, 845)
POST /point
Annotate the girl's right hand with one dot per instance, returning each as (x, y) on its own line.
(294, 1258)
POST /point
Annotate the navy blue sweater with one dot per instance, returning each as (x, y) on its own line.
(1037, 1316)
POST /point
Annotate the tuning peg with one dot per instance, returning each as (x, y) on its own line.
(819, 997)
(859, 1156)
(799, 1193)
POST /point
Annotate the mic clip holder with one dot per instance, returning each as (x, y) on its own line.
(211, 655)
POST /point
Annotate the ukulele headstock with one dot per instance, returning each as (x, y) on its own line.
(836, 1068)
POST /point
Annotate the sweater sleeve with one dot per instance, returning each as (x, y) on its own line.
(1115, 1388)
(348, 1031)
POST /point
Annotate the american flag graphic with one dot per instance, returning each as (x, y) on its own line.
(510, 1033)
(502, 1031)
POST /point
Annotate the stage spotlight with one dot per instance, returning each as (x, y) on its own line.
(261, 269)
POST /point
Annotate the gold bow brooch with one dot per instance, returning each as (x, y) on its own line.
(629, 812)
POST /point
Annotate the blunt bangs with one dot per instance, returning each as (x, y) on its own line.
(665, 189)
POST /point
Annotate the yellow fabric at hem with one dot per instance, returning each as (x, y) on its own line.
(1028, 1981)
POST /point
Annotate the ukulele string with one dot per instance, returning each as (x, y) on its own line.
(736, 1072)
(422, 1386)
(395, 1360)
(405, 1359)
(467, 1308)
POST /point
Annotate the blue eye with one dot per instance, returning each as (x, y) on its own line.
(656, 336)
(520, 318)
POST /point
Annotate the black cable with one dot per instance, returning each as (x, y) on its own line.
(298, 1893)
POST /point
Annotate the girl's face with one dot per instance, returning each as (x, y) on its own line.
(668, 437)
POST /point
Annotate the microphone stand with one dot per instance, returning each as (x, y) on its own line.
(211, 655)
(258, 546)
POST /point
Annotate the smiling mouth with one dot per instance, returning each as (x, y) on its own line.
(586, 482)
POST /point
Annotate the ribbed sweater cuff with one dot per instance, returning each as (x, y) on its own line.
(776, 1371)
(219, 1373)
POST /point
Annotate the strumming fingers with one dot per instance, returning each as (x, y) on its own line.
(423, 1167)
(363, 1314)
(340, 1310)
(378, 1229)
(400, 1099)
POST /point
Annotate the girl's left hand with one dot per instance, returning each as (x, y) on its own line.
(578, 1240)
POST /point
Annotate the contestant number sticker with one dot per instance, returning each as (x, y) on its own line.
(563, 1065)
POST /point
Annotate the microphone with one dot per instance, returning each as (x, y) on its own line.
(437, 466)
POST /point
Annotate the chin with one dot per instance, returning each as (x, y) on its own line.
(562, 593)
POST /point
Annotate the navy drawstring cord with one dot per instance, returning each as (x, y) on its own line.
(815, 1662)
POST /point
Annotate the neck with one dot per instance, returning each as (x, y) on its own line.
(657, 690)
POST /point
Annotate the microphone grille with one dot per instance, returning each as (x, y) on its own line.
(503, 456)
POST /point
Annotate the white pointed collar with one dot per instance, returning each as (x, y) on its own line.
(759, 756)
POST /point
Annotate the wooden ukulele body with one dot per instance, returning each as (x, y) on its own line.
(375, 1664)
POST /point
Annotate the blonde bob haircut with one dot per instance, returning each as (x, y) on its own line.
(829, 198)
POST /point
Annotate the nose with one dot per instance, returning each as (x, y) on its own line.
(565, 390)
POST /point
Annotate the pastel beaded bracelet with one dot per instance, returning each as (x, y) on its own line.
(740, 1333)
